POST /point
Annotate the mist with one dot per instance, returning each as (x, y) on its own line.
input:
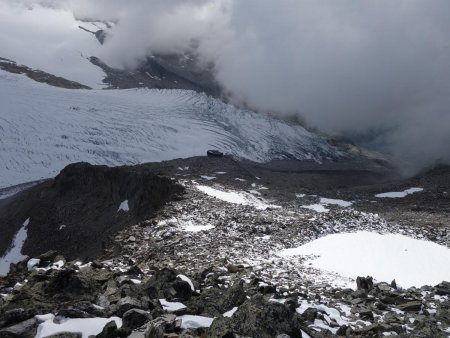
(345, 67)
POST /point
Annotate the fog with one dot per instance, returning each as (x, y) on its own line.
(345, 67)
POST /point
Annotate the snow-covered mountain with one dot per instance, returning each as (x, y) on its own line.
(44, 128)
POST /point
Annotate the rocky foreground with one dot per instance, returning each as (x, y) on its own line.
(205, 266)
(229, 300)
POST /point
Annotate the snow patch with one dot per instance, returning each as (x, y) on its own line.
(329, 201)
(316, 207)
(195, 322)
(409, 261)
(191, 227)
(124, 206)
(14, 255)
(171, 306)
(231, 312)
(399, 194)
(236, 197)
(188, 280)
(323, 202)
(208, 178)
(86, 326)
(32, 263)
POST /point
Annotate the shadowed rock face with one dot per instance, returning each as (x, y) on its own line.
(77, 211)
(163, 72)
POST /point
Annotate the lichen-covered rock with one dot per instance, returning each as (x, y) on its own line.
(25, 329)
(257, 318)
(135, 318)
(166, 284)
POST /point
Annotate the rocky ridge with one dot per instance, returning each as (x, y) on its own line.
(39, 75)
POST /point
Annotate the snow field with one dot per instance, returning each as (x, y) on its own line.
(411, 262)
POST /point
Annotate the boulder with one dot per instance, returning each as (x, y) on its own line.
(443, 289)
(213, 302)
(165, 284)
(257, 318)
(109, 330)
(413, 306)
(309, 315)
(25, 329)
(364, 283)
(128, 303)
(134, 318)
(157, 327)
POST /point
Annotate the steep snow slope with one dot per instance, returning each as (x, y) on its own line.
(44, 128)
(49, 39)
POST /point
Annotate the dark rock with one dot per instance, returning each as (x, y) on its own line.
(154, 332)
(25, 329)
(126, 304)
(257, 318)
(425, 329)
(15, 316)
(165, 284)
(183, 289)
(73, 313)
(365, 314)
(86, 198)
(232, 268)
(135, 318)
(413, 306)
(267, 289)
(214, 153)
(96, 265)
(66, 335)
(292, 302)
(364, 283)
(394, 284)
(309, 315)
(122, 280)
(342, 331)
(443, 289)
(213, 302)
(134, 270)
(109, 330)
(157, 327)
(41, 76)
(49, 256)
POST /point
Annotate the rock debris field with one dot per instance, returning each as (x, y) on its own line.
(231, 261)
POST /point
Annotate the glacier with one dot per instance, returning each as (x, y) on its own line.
(44, 128)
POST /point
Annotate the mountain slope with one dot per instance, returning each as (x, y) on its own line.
(44, 128)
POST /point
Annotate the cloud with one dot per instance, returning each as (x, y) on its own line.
(144, 27)
(347, 67)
